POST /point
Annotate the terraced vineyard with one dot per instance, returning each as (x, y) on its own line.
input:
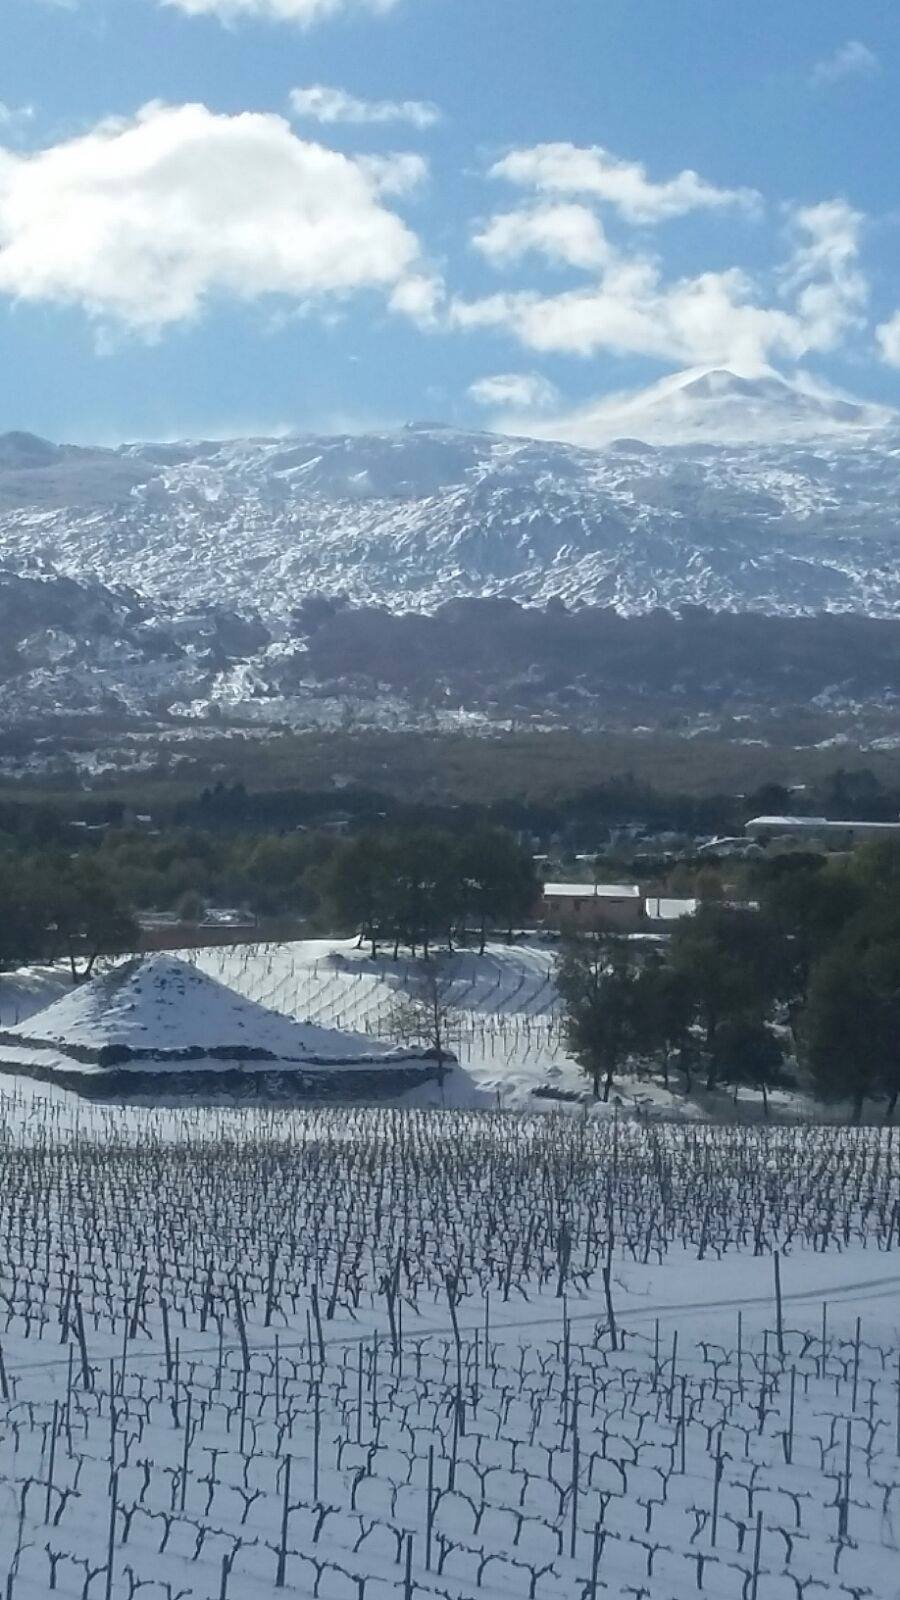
(507, 1027)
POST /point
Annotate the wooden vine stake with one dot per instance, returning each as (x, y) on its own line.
(111, 1542)
(757, 1547)
(285, 1514)
(407, 1578)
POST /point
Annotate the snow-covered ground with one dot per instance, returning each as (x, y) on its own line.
(357, 1355)
(29, 990)
(506, 1024)
(507, 1027)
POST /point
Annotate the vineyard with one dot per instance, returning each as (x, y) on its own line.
(362, 1355)
(507, 1026)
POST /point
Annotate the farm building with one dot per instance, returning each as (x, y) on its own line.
(592, 907)
(819, 832)
(156, 1025)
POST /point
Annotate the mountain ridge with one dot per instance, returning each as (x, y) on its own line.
(410, 518)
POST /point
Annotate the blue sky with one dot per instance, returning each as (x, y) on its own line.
(220, 216)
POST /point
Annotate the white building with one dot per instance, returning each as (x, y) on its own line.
(820, 831)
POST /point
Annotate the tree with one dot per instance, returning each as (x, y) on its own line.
(664, 1012)
(24, 911)
(733, 963)
(357, 887)
(852, 794)
(88, 918)
(425, 887)
(852, 1020)
(810, 903)
(418, 884)
(499, 880)
(835, 1032)
(708, 884)
(424, 1013)
(598, 988)
(749, 1053)
(881, 974)
(875, 866)
(769, 800)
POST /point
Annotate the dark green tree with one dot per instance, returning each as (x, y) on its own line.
(24, 911)
(88, 918)
(358, 888)
(425, 887)
(809, 902)
(749, 1053)
(500, 885)
(598, 986)
(733, 962)
(664, 1014)
(875, 866)
(852, 1021)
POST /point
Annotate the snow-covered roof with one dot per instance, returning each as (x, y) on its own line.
(665, 909)
(163, 1012)
(590, 891)
(820, 824)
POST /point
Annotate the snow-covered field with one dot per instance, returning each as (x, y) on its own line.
(356, 1355)
(507, 1026)
(507, 1029)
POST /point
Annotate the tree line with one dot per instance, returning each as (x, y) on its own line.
(802, 987)
(415, 887)
(401, 886)
(61, 909)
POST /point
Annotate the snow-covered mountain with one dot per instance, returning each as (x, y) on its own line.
(75, 650)
(713, 406)
(784, 501)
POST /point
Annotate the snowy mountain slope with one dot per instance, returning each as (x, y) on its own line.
(418, 516)
(704, 405)
(76, 648)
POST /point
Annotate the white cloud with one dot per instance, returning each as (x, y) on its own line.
(710, 318)
(418, 296)
(303, 12)
(823, 276)
(322, 104)
(567, 169)
(143, 222)
(714, 318)
(394, 174)
(570, 235)
(850, 60)
(888, 337)
(520, 390)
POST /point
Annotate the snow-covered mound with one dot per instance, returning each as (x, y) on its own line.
(161, 1015)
